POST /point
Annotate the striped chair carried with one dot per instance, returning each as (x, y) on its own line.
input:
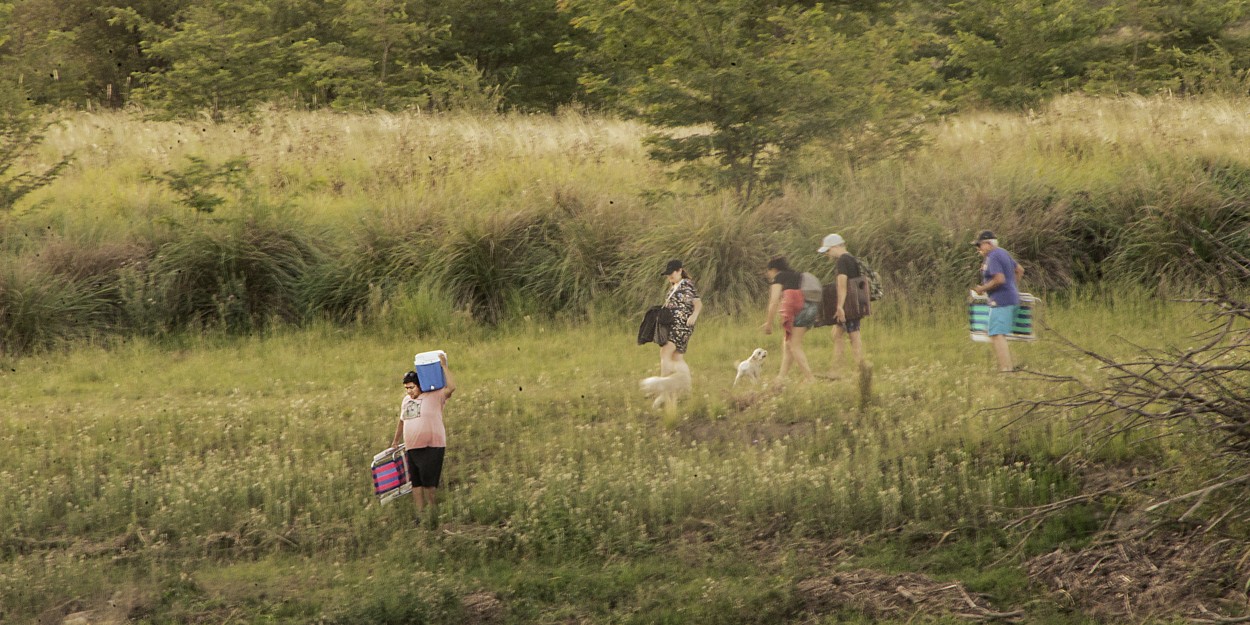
(390, 474)
(1023, 326)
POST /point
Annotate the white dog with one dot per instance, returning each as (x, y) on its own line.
(752, 367)
(667, 388)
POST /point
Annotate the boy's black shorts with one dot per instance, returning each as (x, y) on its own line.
(425, 466)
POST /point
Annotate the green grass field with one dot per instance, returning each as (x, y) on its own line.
(227, 479)
(197, 450)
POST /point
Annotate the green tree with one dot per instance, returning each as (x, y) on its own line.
(739, 87)
(67, 51)
(393, 43)
(1186, 46)
(197, 185)
(514, 45)
(1018, 52)
(21, 132)
(220, 55)
(234, 54)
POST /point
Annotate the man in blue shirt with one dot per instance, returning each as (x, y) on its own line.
(1000, 274)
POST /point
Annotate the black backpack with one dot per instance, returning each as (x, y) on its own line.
(875, 292)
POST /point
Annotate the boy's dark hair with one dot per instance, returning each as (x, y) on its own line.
(779, 263)
(411, 376)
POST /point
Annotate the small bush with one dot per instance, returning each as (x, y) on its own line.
(419, 310)
(480, 263)
(233, 275)
(427, 605)
(1182, 239)
(39, 310)
(578, 256)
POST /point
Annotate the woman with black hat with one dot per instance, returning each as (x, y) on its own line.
(683, 300)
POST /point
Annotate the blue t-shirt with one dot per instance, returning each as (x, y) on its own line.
(999, 261)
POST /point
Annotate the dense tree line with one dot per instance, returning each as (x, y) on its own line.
(184, 57)
(181, 57)
(736, 89)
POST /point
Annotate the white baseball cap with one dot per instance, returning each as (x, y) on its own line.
(832, 240)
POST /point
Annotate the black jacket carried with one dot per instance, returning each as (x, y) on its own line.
(656, 324)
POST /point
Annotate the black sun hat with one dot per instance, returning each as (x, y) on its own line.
(985, 235)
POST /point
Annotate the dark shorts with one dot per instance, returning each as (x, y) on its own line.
(425, 466)
(808, 316)
(850, 326)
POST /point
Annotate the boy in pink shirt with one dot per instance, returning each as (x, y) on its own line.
(425, 439)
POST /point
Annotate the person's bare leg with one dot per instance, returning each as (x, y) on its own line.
(798, 355)
(667, 352)
(785, 359)
(857, 348)
(1002, 352)
(835, 365)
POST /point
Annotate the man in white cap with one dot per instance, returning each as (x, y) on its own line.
(847, 268)
(1000, 274)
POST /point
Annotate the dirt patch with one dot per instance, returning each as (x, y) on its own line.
(900, 596)
(1148, 575)
(481, 608)
(744, 434)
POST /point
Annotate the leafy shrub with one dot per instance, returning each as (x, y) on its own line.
(1182, 241)
(233, 275)
(480, 263)
(554, 259)
(388, 253)
(578, 257)
(95, 262)
(21, 133)
(420, 309)
(425, 605)
(39, 310)
(339, 288)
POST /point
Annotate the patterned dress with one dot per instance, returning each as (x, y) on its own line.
(681, 302)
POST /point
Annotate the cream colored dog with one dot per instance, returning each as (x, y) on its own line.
(752, 367)
(667, 388)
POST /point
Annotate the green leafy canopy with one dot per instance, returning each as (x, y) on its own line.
(738, 88)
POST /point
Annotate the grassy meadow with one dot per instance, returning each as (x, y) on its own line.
(227, 479)
(192, 401)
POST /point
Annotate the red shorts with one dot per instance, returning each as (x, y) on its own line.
(791, 304)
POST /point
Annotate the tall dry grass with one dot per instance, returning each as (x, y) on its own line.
(510, 216)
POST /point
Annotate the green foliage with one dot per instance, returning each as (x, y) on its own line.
(39, 311)
(232, 55)
(1186, 236)
(425, 605)
(738, 88)
(67, 51)
(463, 86)
(702, 63)
(513, 44)
(220, 56)
(6, 14)
(195, 183)
(1019, 53)
(21, 133)
(237, 276)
